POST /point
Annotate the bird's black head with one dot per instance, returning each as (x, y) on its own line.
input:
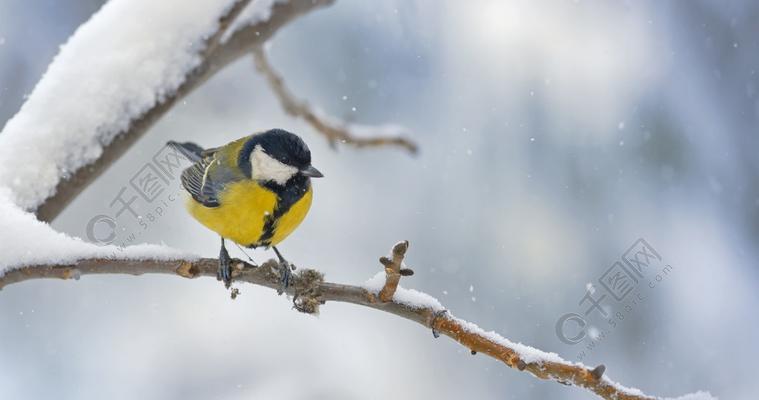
(284, 147)
(276, 156)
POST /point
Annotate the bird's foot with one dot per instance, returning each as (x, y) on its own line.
(224, 273)
(286, 274)
(285, 269)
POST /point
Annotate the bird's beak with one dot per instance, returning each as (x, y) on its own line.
(311, 172)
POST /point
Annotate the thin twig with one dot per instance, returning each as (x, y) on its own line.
(309, 291)
(216, 56)
(335, 130)
(393, 270)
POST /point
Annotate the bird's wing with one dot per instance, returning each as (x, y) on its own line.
(190, 150)
(207, 178)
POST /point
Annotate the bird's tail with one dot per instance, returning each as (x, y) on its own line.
(192, 151)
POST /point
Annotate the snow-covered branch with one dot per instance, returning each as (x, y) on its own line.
(309, 290)
(117, 75)
(334, 129)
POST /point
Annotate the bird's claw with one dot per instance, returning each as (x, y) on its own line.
(286, 274)
(285, 268)
(224, 272)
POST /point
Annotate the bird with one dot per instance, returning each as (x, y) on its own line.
(254, 191)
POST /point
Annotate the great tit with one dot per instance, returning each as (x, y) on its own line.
(254, 191)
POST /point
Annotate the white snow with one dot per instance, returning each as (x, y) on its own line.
(409, 297)
(526, 353)
(36, 243)
(128, 57)
(256, 11)
(624, 389)
(416, 299)
(700, 395)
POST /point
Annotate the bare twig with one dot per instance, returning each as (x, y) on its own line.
(335, 130)
(309, 291)
(216, 56)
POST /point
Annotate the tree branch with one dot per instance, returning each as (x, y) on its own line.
(335, 130)
(309, 291)
(217, 55)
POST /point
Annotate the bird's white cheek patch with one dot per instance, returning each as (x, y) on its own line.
(266, 168)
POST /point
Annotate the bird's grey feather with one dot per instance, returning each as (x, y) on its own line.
(207, 178)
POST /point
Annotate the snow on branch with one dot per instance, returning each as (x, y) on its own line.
(310, 291)
(27, 241)
(334, 129)
(117, 75)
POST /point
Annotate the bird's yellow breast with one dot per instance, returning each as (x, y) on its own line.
(243, 210)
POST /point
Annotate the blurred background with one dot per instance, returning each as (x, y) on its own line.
(553, 136)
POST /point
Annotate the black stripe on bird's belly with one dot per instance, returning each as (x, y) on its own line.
(287, 196)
